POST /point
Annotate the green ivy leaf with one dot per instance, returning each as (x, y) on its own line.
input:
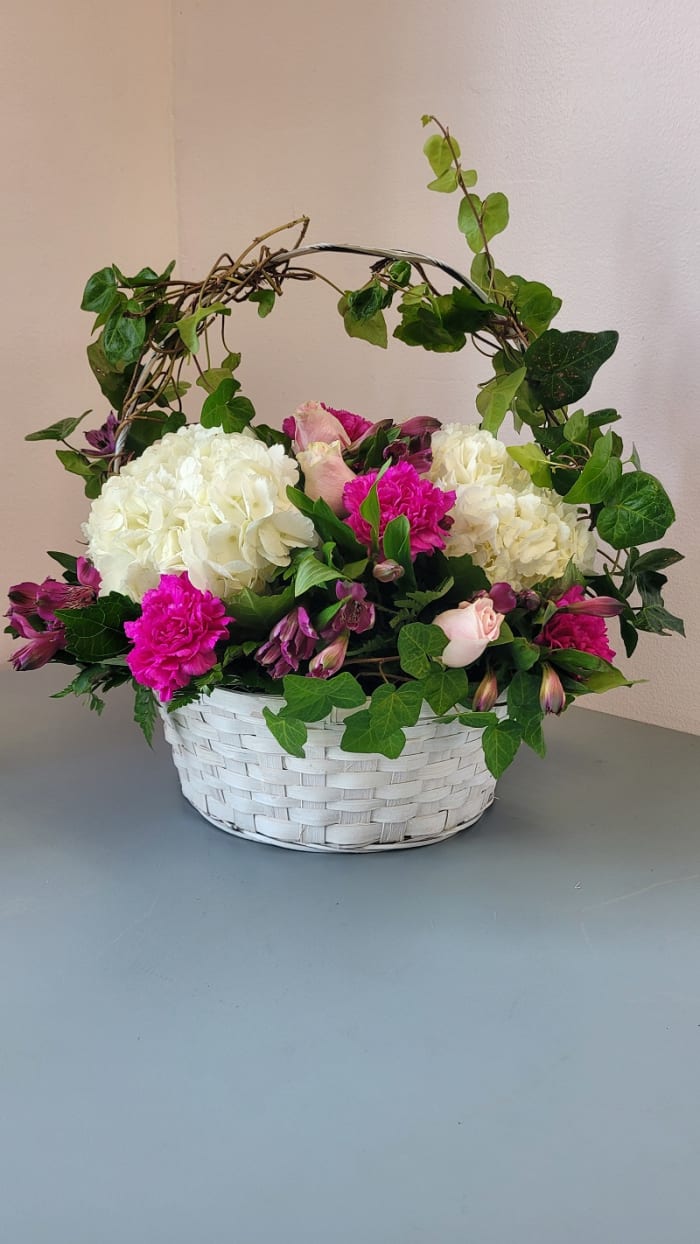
(100, 291)
(500, 742)
(113, 380)
(469, 221)
(59, 431)
(417, 644)
(145, 711)
(443, 688)
(372, 330)
(535, 304)
(123, 338)
(213, 377)
(392, 708)
(468, 577)
(187, 327)
(290, 733)
(600, 476)
(438, 153)
(495, 399)
(265, 298)
(524, 708)
(445, 183)
(525, 654)
(533, 460)
(639, 512)
(362, 735)
(561, 366)
(658, 621)
(222, 409)
(400, 272)
(396, 545)
(656, 559)
(96, 632)
(494, 214)
(477, 721)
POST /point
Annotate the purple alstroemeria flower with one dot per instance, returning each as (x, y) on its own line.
(329, 660)
(414, 443)
(356, 613)
(32, 613)
(552, 694)
(486, 693)
(292, 640)
(42, 646)
(103, 439)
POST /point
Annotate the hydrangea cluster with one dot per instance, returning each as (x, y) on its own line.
(200, 500)
(518, 533)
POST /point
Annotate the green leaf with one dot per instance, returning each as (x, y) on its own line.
(361, 735)
(307, 699)
(145, 711)
(413, 603)
(600, 476)
(259, 613)
(494, 215)
(443, 688)
(477, 721)
(392, 708)
(67, 560)
(265, 299)
(148, 429)
(187, 327)
(578, 663)
(222, 409)
(76, 463)
(438, 152)
(525, 654)
(500, 743)
(607, 680)
(372, 330)
(123, 338)
(524, 708)
(113, 380)
(345, 691)
(656, 559)
(371, 512)
(598, 418)
(213, 377)
(396, 544)
(445, 183)
(469, 221)
(535, 304)
(468, 577)
(496, 397)
(59, 431)
(100, 291)
(639, 512)
(533, 460)
(658, 621)
(561, 366)
(290, 733)
(96, 632)
(311, 573)
(363, 304)
(417, 644)
(327, 524)
(400, 272)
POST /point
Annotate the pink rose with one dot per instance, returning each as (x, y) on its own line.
(325, 473)
(469, 628)
(312, 422)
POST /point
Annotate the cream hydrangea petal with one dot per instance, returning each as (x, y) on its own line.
(517, 533)
(209, 502)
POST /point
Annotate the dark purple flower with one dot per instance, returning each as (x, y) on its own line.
(356, 612)
(503, 597)
(529, 600)
(413, 443)
(32, 613)
(329, 660)
(291, 641)
(103, 439)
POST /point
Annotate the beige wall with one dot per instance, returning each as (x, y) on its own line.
(583, 114)
(87, 178)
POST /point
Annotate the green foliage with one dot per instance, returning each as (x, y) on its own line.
(561, 366)
(327, 524)
(501, 742)
(96, 632)
(440, 154)
(291, 734)
(496, 397)
(443, 688)
(524, 708)
(91, 470)
(396, 546)
(265, 299)
(258, 612)
(372, 329)
(189, 324)
(223, 409)
(145, 711)
(600, 476)
(123, 338)
(533, 460)
(59, 431)
(638, 512)
(418, 644)
(310, 572)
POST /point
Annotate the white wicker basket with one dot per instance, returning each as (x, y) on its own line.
(235, 773)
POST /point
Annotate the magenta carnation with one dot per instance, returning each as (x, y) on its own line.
(582, 631)
(402, 491)
(175, 637)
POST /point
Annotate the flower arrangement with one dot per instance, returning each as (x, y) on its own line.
(387, 569)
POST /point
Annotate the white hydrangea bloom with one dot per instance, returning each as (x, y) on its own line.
(517, 533)
(209, 502)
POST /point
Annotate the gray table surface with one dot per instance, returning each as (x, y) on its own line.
(206, 1041)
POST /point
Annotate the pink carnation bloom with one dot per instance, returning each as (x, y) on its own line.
(402, 491)
(175, 637)
(582, 631)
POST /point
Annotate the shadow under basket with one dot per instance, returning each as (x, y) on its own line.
(236, 774)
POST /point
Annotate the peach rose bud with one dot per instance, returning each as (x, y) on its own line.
(314, 423)
(469, 628)
(325, 473)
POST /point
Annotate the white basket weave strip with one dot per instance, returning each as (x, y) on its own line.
(235, 773)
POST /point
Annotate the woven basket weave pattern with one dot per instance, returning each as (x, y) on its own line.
(235, 773)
